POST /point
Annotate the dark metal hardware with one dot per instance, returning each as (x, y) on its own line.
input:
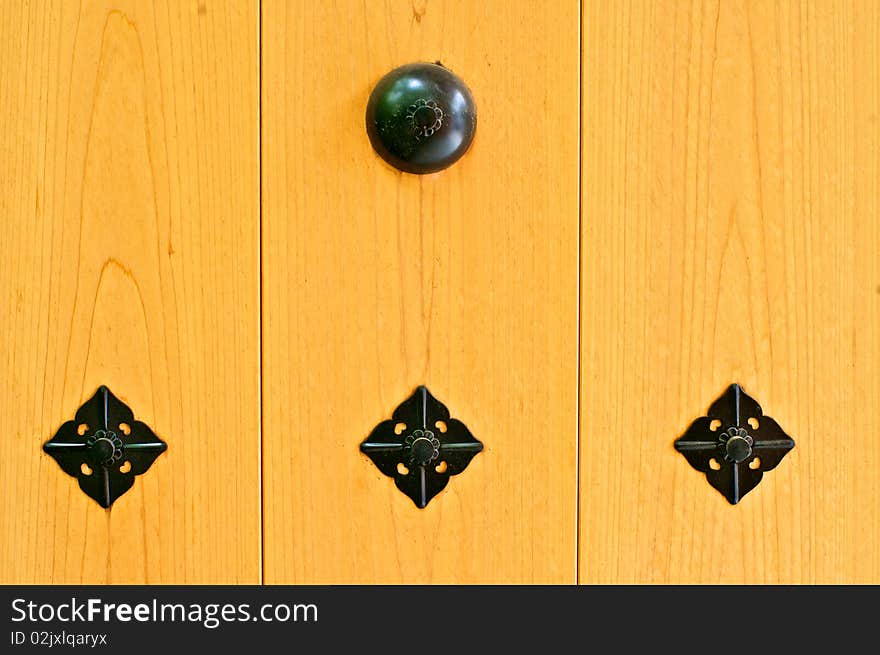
(734, 444)
(104, 447)
(421, 118)
(421, 446)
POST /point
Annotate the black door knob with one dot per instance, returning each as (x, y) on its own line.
(421, 118)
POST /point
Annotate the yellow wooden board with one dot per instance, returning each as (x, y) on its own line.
(130, 206)
(376, 281)
(731, 153)
(728, 233)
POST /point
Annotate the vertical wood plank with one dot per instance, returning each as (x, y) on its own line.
(129, 192)
(376, 282)
(730, 234)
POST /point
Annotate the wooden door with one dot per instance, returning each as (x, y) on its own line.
(730, 159)
(663, 199)
(130, 207)
(375, 282)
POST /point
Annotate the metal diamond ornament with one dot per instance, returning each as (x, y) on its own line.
(734, 444)
(104, 447)
(421, 447)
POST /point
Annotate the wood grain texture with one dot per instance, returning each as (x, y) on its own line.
(377, 281)
(130, 204)
(731, 153)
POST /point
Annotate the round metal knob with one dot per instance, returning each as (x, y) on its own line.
(421, 118)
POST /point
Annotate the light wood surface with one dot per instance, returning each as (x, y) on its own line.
(129, 198)
(376, 282)
(729, 166)
(731, 153)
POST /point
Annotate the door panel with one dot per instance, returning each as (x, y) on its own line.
(728, 229)
(730, 234)
(129, 140)
(375, 282)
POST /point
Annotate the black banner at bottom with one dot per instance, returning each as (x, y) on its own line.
(391, 619)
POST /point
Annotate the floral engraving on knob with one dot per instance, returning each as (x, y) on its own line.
(421, 447)
(734, 444)
(104, 447)
(425, 118)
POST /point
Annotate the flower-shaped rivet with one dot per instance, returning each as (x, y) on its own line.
(421, 447)
(737, 444)
(425, 118)
(104, 447)
(734, 444)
